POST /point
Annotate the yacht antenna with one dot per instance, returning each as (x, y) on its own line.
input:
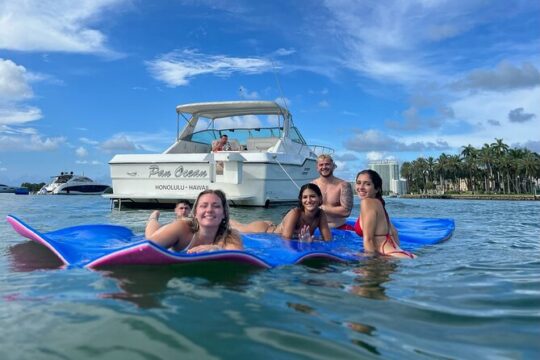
(279, 87)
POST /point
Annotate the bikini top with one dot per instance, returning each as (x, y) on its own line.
(358, 227)
(359, 231)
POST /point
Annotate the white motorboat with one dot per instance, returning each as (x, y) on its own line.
(70, 184)
(262, 165)
(7, 189)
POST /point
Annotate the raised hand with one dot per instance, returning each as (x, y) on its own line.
(305, 235)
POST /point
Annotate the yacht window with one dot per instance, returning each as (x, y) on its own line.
(205, 136)
(295, 136)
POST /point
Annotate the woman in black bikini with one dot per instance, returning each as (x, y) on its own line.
(299, 223)
(373, 224)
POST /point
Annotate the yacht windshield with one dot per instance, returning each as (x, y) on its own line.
(241, 135)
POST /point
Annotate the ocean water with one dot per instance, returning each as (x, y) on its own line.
(476, 296)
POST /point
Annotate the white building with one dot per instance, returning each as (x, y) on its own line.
(389, 172)
(398, 186)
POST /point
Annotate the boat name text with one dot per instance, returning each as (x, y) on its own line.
(179, 172)
(182, 187)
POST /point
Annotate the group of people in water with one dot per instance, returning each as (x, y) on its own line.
(323, 204)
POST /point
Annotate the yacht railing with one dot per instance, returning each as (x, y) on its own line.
(320, 149)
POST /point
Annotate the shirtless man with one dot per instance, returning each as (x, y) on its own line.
(337, 193)
(223, 144)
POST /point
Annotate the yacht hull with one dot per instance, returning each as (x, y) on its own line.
(247, 179)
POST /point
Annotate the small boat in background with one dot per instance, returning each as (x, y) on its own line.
(22, 191)
(7, 189)
(70, 184)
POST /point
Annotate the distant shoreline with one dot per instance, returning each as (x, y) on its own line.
(525, 197)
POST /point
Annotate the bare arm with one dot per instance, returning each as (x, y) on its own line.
(345, 202)
(324, 228)
(288, 224)
(394, 233)
(175, 234)
(368, 216)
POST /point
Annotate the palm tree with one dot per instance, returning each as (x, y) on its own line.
(406, 173)
(499, 149)
(531, 165)
(470, 158)
(442, 170)
(486, 157)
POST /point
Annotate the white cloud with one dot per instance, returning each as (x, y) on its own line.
(87, 141)
(60, 25)
(21, 142)
(81, 151)
(376, 141)
(283, 101)
(505, 76)
(472, 109)
(323, 104)
(13, 82)
(411, 41)
(177, 68)
(153, 142)
(374, 155)
(246, 94)
(119, 143)
(13, 116)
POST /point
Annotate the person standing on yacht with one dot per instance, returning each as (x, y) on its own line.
(222, 144)
(337, 193)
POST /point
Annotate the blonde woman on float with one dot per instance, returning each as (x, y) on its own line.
(209, 230)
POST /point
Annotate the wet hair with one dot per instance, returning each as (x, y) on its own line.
(376, 180)
(309, 186)
(224, 229)
(183, 201)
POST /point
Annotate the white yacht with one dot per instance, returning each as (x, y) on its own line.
(7, 189)
(70, 184)
(261, 165)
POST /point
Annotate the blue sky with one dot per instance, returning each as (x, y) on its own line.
(83, 80)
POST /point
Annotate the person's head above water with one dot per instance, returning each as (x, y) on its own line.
(374, 189)
(211, 209)
(182, 208)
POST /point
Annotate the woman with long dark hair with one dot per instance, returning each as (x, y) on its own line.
(373, 224)
(208, 231)
(300, 222)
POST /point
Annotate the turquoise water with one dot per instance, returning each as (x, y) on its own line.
(476, 296)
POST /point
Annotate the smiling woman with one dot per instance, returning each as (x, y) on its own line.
(208, 231)
(373, 224)
(300, 222)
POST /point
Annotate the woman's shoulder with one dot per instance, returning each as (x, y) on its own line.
(293, 212)
(370, 202)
